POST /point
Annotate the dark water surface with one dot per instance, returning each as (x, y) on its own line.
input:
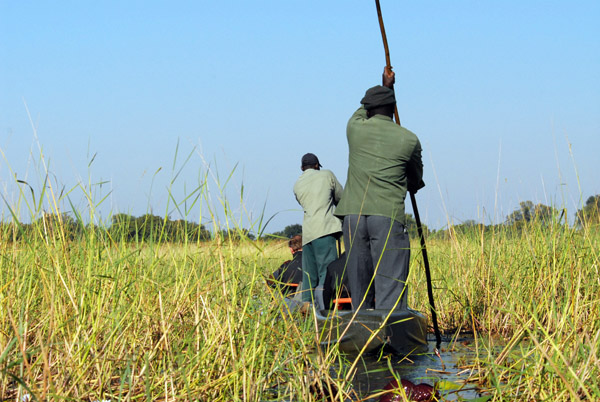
(451, 373)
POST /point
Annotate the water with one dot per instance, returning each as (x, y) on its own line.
(450, 373)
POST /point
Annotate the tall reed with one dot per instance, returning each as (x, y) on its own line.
(100, 316)
(538, 286)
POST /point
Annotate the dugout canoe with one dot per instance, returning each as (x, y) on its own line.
(402, 332)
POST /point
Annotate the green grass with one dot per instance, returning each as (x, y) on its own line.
(95, 317)
(91, 320)
(538, 287)
(99, 318)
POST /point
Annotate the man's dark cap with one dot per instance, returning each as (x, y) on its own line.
(378, 96)
(310, 160)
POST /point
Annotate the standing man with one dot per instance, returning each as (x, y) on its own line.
(384, 162)
(318, 192)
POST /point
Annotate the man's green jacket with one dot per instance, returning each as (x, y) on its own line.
(318, 191)
(383, 163)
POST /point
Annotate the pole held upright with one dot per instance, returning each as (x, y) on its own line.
(388, 62)
(413, 200)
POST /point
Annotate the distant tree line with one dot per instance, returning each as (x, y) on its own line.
(540, 214)
(48, 226)
(516, 221)
(123, 227)
(150, 227)
(288, 232)
(527, 212)
(296, 229)
(589, 215)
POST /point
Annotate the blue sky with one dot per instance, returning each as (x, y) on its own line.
(504, 96)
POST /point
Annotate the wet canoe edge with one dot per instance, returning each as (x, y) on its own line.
(401, 332)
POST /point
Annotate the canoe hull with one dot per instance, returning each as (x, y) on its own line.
(402, 332)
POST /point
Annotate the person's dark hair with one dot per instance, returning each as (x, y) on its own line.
(295, 243)
(386, 110)
(316, 167)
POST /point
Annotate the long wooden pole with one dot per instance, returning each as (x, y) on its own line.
(387, 51)
(413, 200)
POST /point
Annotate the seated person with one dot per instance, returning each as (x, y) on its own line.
(289, 275)
(336, 283)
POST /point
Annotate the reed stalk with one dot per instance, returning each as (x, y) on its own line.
(97, 316)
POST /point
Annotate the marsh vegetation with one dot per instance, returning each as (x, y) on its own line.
(107, 316)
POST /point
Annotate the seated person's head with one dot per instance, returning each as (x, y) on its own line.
(295, 244)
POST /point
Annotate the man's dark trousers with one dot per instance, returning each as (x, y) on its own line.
(376, 245)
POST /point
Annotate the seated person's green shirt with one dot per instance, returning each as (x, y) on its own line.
(384, 161)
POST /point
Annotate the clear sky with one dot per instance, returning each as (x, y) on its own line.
(504, 96)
